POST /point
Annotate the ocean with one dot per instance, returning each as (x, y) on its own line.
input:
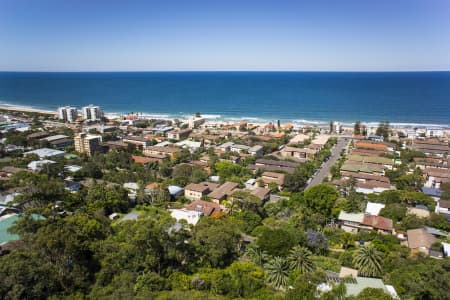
(412, 98)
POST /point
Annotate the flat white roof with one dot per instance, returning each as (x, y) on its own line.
(55, 137)
(190, 144)
(72, 168)
(91, 137)
(45, 152)
(374, 208)
(37, 164)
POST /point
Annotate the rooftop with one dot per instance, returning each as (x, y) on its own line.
(370, 145)
(55, 137)
(377, 222)
(163, 149)
(260, 192)
(223, 191)
(419, 237)
(444, 203)
(201, 187)
(207, 208)
(361, 283)
(351, 217)
(269, 177)
(272, 162)
(45, 152)
(143, 159)
(371, 159)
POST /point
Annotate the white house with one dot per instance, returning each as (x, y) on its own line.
(190, 216)
(38, 165)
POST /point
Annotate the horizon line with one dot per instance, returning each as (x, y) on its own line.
(223, 70)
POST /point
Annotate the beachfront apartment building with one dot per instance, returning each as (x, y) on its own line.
(195, 121)
(92, 113)
(86, 143)
(68, 114)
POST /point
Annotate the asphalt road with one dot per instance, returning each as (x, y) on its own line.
(324, 169)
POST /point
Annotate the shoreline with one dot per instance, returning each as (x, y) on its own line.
(219, 118)
(27, 110)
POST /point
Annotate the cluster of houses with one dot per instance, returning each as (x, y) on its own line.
(368, 220)
(435, 167)
(367, 163)
(419, 240)
(166, 140)
(303, 147)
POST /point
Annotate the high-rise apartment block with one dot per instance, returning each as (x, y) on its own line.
(86, 143)
(92, 113)
(68, 113)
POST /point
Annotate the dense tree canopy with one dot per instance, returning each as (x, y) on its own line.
(321, 198)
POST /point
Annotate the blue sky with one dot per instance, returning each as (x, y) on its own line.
(318, 35)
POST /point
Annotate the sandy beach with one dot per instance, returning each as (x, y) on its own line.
(23, 109)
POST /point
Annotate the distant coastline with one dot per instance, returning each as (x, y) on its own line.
(26, 109)
(221, 118)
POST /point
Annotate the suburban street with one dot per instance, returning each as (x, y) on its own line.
(324, 169)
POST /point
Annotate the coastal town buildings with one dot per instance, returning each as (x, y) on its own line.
(58, 141)
(223, 191)
(138, 141)
(68, 114)
(195, 191)
(86, 143)
(179, 134)
(44, 153)
(92, 113)
(161, 151)
(140, 165)
(195, 121)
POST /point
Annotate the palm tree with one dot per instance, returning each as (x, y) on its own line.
(277, 272)
(256, 255)
(299, 259)
(368, 260)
